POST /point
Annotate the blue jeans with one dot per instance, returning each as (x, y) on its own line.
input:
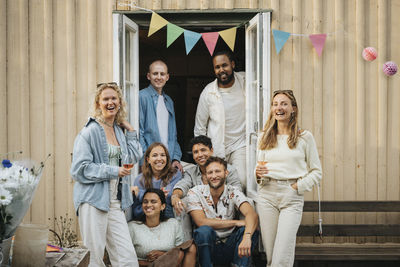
(219, 253)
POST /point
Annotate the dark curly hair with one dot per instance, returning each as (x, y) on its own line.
(201, 139)
(161, 195)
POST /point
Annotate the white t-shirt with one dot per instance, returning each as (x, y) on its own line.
(235, 117)
(162, 120)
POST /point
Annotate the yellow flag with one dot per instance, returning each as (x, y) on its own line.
(229, 37)
(156, 23)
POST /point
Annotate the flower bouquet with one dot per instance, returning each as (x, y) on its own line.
(18, 183)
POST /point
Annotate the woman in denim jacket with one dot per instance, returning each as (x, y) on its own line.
(99, 195)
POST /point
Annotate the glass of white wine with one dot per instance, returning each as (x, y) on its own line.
(261, 162)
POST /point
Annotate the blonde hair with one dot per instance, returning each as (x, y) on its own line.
(96, 111)
(270, 131)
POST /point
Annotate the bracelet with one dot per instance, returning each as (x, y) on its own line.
(248, 233)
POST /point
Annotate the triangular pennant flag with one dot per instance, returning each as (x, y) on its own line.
(318, 41)
(191, 38)
(210, 39)
(173, 32)
(229, 37)
(156, 23)
(280, 38)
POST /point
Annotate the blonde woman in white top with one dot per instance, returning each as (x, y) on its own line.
(288, 165)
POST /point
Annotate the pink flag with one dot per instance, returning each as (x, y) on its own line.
(210, 39)
(318, 41)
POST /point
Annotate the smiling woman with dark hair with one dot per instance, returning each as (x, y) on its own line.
(157, 172)
(154, 235)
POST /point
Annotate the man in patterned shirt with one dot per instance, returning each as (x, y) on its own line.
(220, 238)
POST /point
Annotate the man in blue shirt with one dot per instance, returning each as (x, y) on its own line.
(157, 115)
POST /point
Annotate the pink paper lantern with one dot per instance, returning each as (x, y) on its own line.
(390, 68)
(369, 53)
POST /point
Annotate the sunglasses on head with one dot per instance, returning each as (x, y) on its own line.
(110, 83)
(290, 92)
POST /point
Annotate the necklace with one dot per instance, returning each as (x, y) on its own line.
(106, 123)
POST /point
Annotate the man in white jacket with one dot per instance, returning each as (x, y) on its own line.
(221, 113)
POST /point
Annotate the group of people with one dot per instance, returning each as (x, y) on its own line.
(191, 212)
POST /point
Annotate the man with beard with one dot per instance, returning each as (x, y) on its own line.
(196, 174)
(220, 238)
(221, 113)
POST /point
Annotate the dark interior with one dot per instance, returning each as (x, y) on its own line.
(189, 74)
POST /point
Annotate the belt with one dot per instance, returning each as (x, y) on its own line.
(263, 180)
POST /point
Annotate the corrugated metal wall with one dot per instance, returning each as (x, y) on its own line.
(53, 52)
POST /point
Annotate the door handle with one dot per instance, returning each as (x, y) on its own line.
(251, 135)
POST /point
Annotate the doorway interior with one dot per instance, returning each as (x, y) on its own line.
(189, 74)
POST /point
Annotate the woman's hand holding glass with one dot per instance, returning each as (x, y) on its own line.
(127, 165)
(261, 169)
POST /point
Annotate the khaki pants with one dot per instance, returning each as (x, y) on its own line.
(109, 230)
(280, 208)
(237, 158)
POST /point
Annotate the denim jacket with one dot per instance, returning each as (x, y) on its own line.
(90, 165)
(148, 127)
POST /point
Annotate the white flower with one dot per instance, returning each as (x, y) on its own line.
(5, 196)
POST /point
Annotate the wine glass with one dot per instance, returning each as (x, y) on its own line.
(127, 163)
(261, 162)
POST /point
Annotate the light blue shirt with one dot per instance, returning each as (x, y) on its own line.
(148, 126)
(91, 168)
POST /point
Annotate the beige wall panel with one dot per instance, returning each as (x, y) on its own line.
(315, 67)
(40, 80)
(297, 45)
(286, 53)
(275, 64)
(382, 107)
(104, 33)
(299, 66)
(372, 73)
(85, 58)
(349, 113)
(339, 84)
(3, 76)
(17, 77)
(393, 156)
(64, 85)
(360, 108)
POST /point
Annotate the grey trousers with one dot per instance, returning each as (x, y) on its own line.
(280, 208)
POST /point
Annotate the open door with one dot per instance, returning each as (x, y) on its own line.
(257, 89)
(126, 67)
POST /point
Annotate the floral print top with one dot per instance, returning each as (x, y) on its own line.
(199, 198)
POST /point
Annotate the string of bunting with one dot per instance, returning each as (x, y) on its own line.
(229, 36)
(191, 38)
(281, 37)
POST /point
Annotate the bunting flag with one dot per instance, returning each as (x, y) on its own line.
(173, 32)
(156, 23)
(210, 39)
(280, 38)
(191, 38)
(229, 37)
(318, 41)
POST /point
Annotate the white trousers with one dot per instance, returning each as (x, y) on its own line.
(280, 209)
(109, 230)
(238, 159)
